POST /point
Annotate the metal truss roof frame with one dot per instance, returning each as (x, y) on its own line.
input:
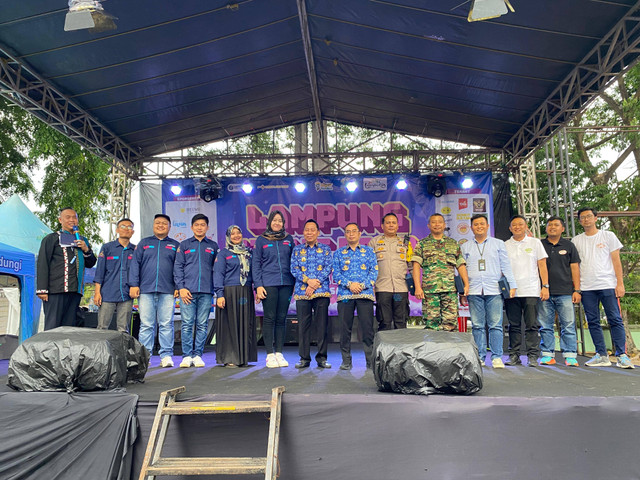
(611, 57)
(345, 163)
(23, 86)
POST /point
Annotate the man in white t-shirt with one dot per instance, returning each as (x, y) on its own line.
(601, 281)
(529, 265)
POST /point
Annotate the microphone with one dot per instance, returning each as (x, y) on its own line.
(75, 231)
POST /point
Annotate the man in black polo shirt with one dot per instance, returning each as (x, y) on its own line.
(563, 264)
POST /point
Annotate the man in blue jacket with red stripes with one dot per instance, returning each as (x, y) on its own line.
(151, 281)
(112, 278)
(193, 275)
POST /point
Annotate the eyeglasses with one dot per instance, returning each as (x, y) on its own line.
(351, 231)
(587, 217)
(125, 227)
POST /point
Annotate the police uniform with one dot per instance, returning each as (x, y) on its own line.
(392, 294)
(438, 259)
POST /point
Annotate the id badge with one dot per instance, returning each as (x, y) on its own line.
(482, 265)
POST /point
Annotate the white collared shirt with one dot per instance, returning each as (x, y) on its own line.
(524, 256)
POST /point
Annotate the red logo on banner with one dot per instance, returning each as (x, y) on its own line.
(463, 203)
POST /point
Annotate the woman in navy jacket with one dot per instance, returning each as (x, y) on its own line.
(236, 342)
(274, 284)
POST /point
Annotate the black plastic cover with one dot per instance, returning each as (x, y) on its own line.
(425, 361)
(77, 359)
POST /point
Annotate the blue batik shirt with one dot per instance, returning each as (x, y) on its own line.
(357, 265)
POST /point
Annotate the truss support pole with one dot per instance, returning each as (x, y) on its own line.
(120, 200)
(527, 194)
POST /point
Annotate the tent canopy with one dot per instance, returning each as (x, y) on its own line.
(21, 228)
(178, 74)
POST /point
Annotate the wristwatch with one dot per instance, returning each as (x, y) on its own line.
(545, 285)
(578, 291)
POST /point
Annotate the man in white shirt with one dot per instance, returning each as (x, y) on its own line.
(601, 281)
(528, 262)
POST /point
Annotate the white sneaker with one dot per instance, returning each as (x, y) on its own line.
(197, 362)
(272, 361)
(166, 362)
(282, 362)
(186, 362)
(497, 363)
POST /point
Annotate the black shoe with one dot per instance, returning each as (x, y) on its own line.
(323, 364)
(345, 366)
(369, 367)
(533, 361)
(513, 361)
(303, 364)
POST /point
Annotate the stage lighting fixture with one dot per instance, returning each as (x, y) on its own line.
(209, 188)
(176, 189)
(247, 188)
(436, 185)
(300, 187)
(402, 184)
(352, 186)
(88, 15)
(467, 183)
(486, 9)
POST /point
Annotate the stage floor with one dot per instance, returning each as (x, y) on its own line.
(521, 381)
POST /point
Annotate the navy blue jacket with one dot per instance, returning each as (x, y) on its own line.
(226, 271)
(271, 262)
(193, 268)
(112, 272)
(151, 268)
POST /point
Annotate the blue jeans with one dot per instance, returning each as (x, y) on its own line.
(156, 308)
(486, 310)
(197, 312)
(563, 305)
(609, 301)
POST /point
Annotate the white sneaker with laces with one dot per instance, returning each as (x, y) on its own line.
(197, 362)
(497, 363)
(186, 362)
(166, 362)
(282, 362)
(272, 361)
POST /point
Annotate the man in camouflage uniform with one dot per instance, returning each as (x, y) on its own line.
(438, 257)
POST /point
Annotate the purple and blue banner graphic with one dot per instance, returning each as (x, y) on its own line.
(331, 202)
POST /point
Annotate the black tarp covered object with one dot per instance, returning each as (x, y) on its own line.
(426, 361)
(77, 359)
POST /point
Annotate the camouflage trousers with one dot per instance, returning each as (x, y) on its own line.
(440, 311)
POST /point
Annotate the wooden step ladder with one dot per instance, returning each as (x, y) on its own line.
(154, 465)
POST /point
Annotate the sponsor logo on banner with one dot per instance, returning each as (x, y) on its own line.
(446, 210)
(234, 187)
(479, 205)
(374, 184)
(463, 203)
(463, 228)
(324, 187)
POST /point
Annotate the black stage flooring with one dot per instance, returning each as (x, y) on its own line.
(522, 381)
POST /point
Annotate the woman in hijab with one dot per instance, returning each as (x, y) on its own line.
(236, 342)
(274, 284)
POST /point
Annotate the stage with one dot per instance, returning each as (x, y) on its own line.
(526, 423)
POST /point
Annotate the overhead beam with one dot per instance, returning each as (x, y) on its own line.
(311, 70)
(21, 85)
(616, 53)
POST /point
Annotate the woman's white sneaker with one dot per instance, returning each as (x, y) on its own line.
(272, 361)
(282, 362)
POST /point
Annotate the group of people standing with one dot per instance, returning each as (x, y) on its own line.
(532, 280)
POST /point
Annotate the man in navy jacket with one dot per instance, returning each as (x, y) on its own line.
(112, 278)
(151, 279)
(193, 275)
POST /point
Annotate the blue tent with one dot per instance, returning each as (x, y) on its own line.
(22, 264)
(20, 227)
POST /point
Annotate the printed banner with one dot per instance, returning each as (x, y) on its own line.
(329, 201)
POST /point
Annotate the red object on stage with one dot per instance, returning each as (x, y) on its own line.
(462, 324)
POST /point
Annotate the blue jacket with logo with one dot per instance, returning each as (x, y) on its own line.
(193, 268)
(151, 268)
(226, 271)
(271, 262)
(112, 272)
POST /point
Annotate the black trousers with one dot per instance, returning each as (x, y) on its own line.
(62, 310)
(346, 309)
(312, 312)
(526, 308)
(392, 310)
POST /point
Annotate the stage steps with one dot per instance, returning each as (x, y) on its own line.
(154, 465)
